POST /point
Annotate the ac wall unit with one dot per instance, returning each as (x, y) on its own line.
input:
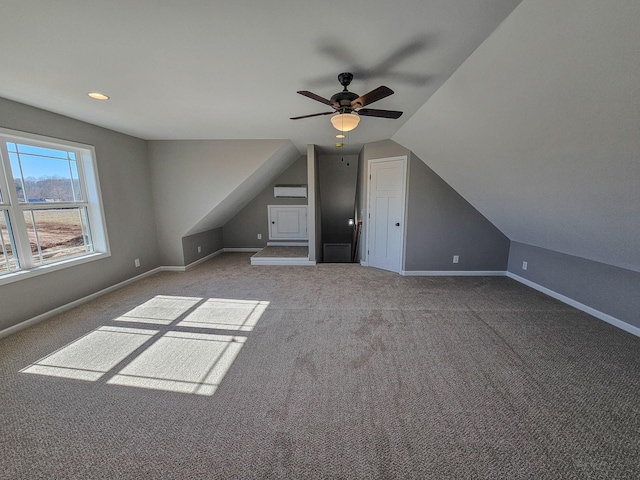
(290, 191)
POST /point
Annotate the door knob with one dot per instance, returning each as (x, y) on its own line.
(273, 223)
(397, 224)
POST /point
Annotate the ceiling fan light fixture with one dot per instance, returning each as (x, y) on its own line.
(98, 96)
(345, 122)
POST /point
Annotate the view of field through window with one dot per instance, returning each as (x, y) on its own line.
(57, 233)
(49, 191)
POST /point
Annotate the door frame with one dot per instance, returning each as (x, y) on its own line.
(403, 231)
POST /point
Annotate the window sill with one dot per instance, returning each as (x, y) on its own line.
(52, 267)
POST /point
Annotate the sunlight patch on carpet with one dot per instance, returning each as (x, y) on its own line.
(182, 362)
(241, 315)
(92, 355)
(182, 353)
(160, 310)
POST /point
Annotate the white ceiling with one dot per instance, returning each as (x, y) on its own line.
(230, 70)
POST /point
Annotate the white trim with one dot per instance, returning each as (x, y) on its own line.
(87, 169)
(405, 196)
(287, 244)
(75, 303)
(281, 261)
(271, 213)
(453, 273)
(172, 268)
(364, 263)
(51, 267)
(580, 306)
(253, 250)
(204, 259)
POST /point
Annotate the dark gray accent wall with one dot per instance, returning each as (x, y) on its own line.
(441, 224)
(209, 242)
(611, 290)
(338, 176)
(243, 229)
(123, 171)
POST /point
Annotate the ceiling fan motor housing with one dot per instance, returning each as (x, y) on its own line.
(345, 79)
(342, 100)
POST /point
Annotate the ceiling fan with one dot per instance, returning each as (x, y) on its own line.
(348, 106)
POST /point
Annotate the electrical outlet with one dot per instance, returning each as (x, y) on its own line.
(259, 236)
(524, 265)
(199, 249)
(456, 258)
(136, 262)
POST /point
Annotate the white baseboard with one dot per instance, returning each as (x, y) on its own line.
(253, 250)
(363, 263)
(180, 268)
(453, 273)
(204, 259)
(172, 268)
(580, 306)
(281, 261)
(76, 303)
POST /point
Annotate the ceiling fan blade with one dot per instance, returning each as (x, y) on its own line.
(312, 115)
(373, 112)
(315, 97)
(373, 96)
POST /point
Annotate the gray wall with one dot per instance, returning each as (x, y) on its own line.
(209, 242)
(243, 229)
(123, 171)
(608, 289)
(338, 175)
(440, 223)
(199, 185)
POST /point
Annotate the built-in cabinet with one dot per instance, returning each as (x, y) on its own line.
(287, 222)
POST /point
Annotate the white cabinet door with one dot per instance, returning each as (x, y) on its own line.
(287, 222)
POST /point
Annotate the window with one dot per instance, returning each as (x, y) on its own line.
(50, 208)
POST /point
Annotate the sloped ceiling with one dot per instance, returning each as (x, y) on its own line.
(199, 184)
(540, 128)
(230, 69)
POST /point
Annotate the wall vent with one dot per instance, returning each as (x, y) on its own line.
(337, 253)
(290, 191)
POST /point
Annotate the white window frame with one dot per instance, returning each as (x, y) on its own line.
(92, 200)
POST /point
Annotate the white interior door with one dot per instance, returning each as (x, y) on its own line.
(288, 222)
(385, 234)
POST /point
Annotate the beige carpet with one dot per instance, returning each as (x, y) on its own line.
(283, 252)
(334, 371)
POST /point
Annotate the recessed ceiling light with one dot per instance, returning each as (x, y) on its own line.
(340, 135)
(98, 95)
